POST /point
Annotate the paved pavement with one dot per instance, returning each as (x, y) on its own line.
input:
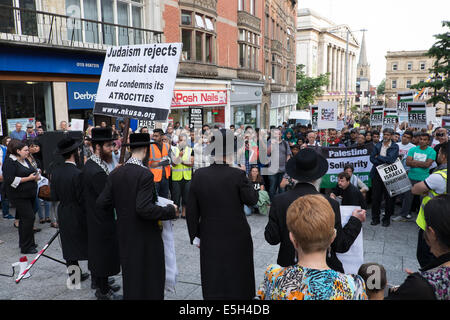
(394, 247)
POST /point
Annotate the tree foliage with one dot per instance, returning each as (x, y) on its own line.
(381, 87)
(440, 84)
(309, 88)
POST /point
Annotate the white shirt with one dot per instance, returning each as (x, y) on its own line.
(436, 182)
(384, 148)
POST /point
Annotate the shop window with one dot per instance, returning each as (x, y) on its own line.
(201, 47)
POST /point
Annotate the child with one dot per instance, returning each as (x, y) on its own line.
(374, 276)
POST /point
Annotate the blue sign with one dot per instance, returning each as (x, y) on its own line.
(81, 95)
(50, 61)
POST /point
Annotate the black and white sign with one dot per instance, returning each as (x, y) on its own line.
(195, 118)
(137, 81)
(394, 177)
(147, 123)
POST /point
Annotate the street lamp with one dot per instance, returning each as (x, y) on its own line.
(346, 63)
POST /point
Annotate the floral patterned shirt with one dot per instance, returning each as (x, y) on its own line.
(438, 278)
(299, 283)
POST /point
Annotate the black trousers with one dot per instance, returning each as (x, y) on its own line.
(25, 213)
(378, 192)
(180, 191)
(424, 255)
(101, 282)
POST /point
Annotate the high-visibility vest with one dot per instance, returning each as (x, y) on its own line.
(431, 194)
(182, 171)
(156, 156)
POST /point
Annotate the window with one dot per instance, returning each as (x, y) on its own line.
(127, 13)
(240, 5)
(394, 67)
(248, 49)
(422, 66)
(408, 83)
(17, 21)
(394, 84)
(409, 66)
(198, 36)
(361, 73)
(266, 26)
(252, 7)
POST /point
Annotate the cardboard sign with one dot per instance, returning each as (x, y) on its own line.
(376, 116)
(417, 115)
(195, 118)
(403, 98)
(395, 178)
(327, 117)
(137, 81)
(446, 122)
(314, 116)
(390, 118)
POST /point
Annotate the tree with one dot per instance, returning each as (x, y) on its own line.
(308, 88)
(441, 69)
(381, 87)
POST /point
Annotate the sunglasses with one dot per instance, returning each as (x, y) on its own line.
(440, 134)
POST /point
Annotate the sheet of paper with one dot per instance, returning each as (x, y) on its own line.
(354, 257)
(163, 202)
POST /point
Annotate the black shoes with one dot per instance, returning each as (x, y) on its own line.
(386, 223)
(110, 295)
(374, 223)
(84, 276)
(30, 251)
(112, 286)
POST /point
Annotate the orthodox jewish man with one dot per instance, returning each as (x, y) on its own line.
(132, 191)
(215, 215)
(66, 188)
(103, 247)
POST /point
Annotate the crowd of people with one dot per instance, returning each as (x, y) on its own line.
(214, 191)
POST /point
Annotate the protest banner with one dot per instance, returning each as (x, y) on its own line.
(403, 98)
(446, 122)
(339, 157)
(137, 81)
(327, 115)
(394, 177)
(314, 116)
(77, 125)
(147, 123)
(354, 257)
(390, 118)
(417, 115)
(195, 118)
(376, 116)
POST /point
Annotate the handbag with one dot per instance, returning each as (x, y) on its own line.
(44, 189)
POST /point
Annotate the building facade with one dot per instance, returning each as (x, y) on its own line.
(242, 49)
(52, 53)
(321, 48)
(403, 69)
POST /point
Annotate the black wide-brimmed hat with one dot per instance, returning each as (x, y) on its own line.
(227, 137)
(67, 144)
(307, 165)
(102, 134)
(139, 140)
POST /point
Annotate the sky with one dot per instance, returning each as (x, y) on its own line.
(392, 25)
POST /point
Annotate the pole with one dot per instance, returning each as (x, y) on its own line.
(124, 140)
(346, 76)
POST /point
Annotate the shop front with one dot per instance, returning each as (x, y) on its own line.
(35, 84)
(197, 102)
(246, 98)
(281, 105)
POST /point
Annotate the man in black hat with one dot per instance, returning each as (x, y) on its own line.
(308, 167)
(215, 215)
(66, 188)
(131, 191)
(103, 247)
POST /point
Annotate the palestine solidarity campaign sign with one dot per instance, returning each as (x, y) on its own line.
(137, 81)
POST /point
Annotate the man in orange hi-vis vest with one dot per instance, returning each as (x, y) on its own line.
(159, 163)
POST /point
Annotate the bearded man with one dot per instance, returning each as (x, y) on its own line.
(103, 246)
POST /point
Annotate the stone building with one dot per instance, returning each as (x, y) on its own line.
(363, 88)
(321, 47)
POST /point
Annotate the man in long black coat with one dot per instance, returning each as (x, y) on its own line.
(66, 188)
(215, 215)
(308, 167)
(131, 190)
(103, 247)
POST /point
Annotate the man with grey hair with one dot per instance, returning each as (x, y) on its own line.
(385, 151)
(308, 167)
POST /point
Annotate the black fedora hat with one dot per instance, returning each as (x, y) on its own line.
(67, 144)
(102, 134)
(139, 140)
(307, 165)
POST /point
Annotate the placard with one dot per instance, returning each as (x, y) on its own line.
(137, 81)
(354, 257)
(314, 116)
(403, 98)
(390, 118)
(327, 117)
(417, 115)
(376, 116)
(446, 122)
(76, 125)
(147, 123)
(394, 177)
(195, 118)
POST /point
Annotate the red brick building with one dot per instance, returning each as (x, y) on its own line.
(242, 52)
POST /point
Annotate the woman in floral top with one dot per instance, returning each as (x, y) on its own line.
(310, 220)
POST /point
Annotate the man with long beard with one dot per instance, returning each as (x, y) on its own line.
(103, 247)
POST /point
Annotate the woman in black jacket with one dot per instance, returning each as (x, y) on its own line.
(20, 179)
